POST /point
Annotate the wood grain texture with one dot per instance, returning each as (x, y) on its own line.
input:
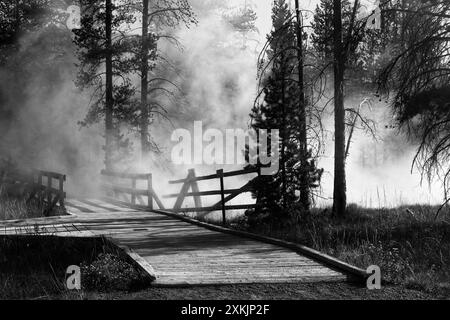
(179, 253)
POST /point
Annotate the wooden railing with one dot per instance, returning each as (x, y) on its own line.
(135, 193)
(39, 185)
(226, 195)
(49, 192)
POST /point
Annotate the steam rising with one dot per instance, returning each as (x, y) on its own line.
(39, 124)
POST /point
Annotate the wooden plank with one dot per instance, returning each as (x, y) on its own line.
(222, 195)
(180, 251)
(95, 205)
(246, 187)
(195, 189)
(53, 175)
(248, 265)
(202, 193)
(177, 283)
(133, 193)
(357, 273)
(214, 176)
(182, 194)
(157, 200)
(49, 189)
(142, 263)
(150, 192)
(39, 186)
(247, 273)
(191, 179)
(117, 206)
(61, 190)
(215, 208)
(123, 175)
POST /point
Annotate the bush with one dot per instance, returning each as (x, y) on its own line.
(35, 266)
(110, 273)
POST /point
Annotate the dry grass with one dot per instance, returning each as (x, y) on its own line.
(17, 207)
(14, 208)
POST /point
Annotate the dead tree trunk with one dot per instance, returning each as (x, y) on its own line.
(304, 176)
(109, 88)
(144, 120)
(339, 193)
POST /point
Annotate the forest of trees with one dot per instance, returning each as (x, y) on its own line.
(349, 53)
(110, 55)
(118, 61)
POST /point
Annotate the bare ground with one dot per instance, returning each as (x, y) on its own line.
(303, 291)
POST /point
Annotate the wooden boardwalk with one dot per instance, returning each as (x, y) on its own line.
(180, 253)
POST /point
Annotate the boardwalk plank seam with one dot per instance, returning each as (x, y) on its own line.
(354, 273)
(165, 248)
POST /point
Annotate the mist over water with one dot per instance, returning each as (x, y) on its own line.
(219, 78)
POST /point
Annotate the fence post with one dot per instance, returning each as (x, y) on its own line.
(182, 194)
(150, 191)
(133, 195)
(195, 189)
(62, 178)
(49, 189)
(222, 195)
(39, 182)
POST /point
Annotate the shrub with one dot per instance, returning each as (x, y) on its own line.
(110, 273)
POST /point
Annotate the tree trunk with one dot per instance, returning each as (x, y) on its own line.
(304, 176)
(339, 194)
(109, 88)
(283, 130)
(144, 83)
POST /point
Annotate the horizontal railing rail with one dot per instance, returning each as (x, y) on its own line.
(190, 182)
(134, 192)
(215, 176)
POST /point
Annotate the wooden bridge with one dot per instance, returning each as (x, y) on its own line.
(180, 251)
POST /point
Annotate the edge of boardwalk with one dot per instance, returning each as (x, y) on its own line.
(353, 273)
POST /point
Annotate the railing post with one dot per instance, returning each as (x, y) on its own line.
(49, 189)
(222, 195)
(62, 178)
(195, 189)
(39, 182)
(150, 191)
(133, 195)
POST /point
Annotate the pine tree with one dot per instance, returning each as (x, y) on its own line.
(341, 40)
(279, 110)
(104, 68)
(243, 21)
(109, 51)
(340, 184)
(364, 49)
(322, 25)
(163, 16)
